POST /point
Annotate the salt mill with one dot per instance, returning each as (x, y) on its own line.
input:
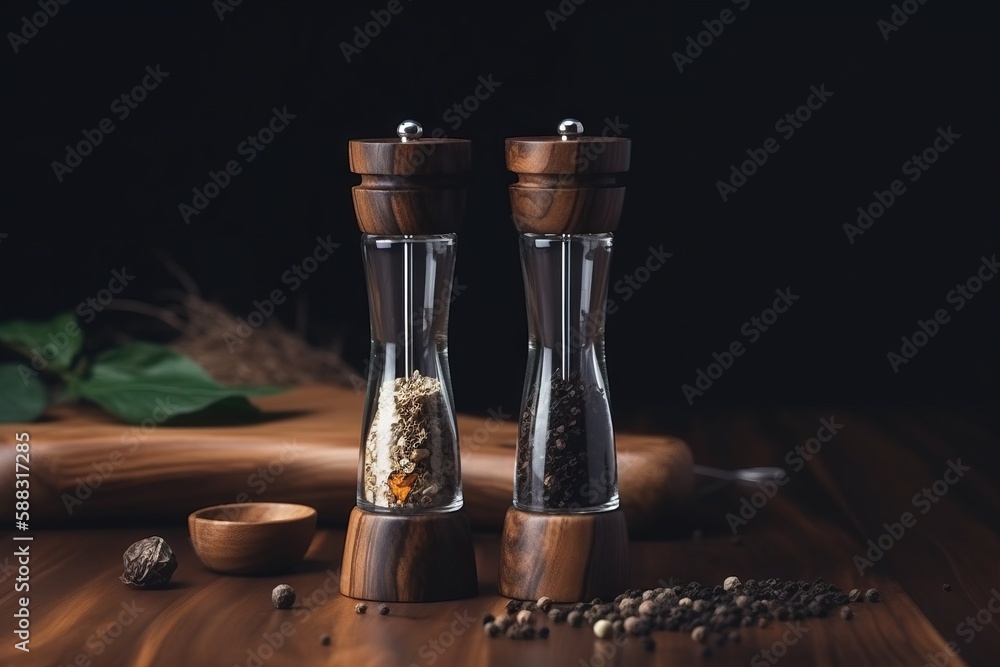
(408, 539)
(565, 536)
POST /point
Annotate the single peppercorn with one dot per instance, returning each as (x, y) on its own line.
(947, 588)
(283, 596)
(488, 618)
(513, 606)
(149, 563)
(575, 618)
(846, 613)
(872, 595)
(360, 608)
(324, 639)
(603, 629)
(492, 629)
(524, 617)
(544, 603)
(556, 615)
(543, 633)
(383, 609)
(648, 643)
(854, 595)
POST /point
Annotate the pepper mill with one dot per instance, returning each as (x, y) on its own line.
(408, 539)
(565, 536)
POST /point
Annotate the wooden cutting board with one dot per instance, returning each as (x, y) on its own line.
(87, 468)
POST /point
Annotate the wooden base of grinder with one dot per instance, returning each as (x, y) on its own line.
(409, 558)
(567, 557)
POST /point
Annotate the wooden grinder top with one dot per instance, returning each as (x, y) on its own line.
(567, 184)
(410, 185)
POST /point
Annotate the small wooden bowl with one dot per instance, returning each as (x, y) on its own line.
(252, 538)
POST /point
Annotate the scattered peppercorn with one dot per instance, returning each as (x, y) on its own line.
(324, 639)
(603, 629)
(711, 614)
(846, 613)
(360, 608)
(855, 595)
(383, 609)
(872, 595)
(283, 596)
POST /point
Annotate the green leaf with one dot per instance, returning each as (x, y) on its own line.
(143, 381)
(54, 342)
(22, 394)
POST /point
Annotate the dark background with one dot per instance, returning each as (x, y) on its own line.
(607, 59)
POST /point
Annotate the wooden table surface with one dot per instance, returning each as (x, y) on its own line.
(863, 477)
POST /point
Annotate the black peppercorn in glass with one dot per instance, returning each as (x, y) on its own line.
(566, 445)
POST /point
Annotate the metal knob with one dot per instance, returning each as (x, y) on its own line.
(570, 128)
(409, 130)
